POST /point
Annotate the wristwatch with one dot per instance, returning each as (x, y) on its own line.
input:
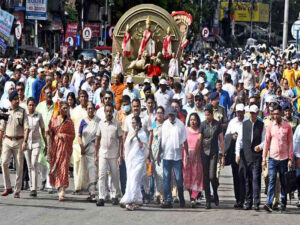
(25, 141)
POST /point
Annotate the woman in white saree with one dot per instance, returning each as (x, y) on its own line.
(86, 139)
(135, 156)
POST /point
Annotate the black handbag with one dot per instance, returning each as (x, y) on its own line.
(290, 181)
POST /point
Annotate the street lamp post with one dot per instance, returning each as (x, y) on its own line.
(285, 24)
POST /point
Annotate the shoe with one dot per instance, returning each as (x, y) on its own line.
(267, 208)
(7, 192)
(146, 199)
(92, 198)
(256, 208)
(33, 193)
(50, 191)
(275, 206)
(216, 199)
(247, 207)
(43, 185)
(238, 206)
(298, 204)
(193, 204)
(100, 202)
(129, 207)
(17, 195)
(167, 205)
(176, 200)
(208, 205)
(283, 208)
(26, 185)
(182, 203)
(114, 201)
(76, 192)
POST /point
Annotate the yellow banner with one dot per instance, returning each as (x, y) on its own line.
(242, 11)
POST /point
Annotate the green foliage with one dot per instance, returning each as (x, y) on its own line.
(72, 14)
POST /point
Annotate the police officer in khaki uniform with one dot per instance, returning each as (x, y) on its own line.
(220, 116)
(14, 133)
(219, 111)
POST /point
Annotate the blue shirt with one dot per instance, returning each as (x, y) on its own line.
(37, 88)
(225, 100)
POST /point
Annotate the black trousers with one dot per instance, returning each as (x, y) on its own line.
(250, 174)
(25, 172)
(209, 163)
(236, 182)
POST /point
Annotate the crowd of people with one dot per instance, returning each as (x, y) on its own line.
(132, 143)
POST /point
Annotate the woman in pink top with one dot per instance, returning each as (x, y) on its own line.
(193, 171)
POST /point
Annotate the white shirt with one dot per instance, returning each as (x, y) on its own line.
(181, 96)
(172, 138)
(101, 114)
(70, 89)
(164, 99)
(229, 88)
(88, 88)
(76, 79)
(190, 86)
(239, 141)
(146, 122)
(234, 76)
(234, 126)
(133, 94)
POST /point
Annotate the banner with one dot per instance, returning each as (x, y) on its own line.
(242, 11)
(6, 22)
(71, 34)
(36, 9)
(95, 27)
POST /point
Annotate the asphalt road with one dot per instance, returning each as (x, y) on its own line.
(46, 209)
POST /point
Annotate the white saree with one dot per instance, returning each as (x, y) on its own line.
(135, 167)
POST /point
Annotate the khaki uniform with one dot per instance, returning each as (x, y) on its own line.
(220, 116)
(12, 144)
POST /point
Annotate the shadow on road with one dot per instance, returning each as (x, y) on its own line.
(43, 206)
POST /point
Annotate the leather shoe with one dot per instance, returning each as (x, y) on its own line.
(167, 205)
(283, 207)
(247, 207)
(114, 201)
(267, 208)
(216, 199)
(43, 185)
(256, 208)
(33, 193)
(100, 202)
(17, 195)
(208, 206)
(238, 205)
(7, 192)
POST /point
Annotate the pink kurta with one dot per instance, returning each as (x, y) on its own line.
(193, 171)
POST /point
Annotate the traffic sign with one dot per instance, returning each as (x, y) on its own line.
(111, 31)
(87, 34)
(205, 32)
(295, 27)
(18, 30)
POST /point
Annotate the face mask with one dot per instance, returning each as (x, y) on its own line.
(126, 108)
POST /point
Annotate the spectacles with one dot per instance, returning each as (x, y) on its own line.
(19, 89)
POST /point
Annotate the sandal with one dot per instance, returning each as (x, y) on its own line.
(129, 207)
